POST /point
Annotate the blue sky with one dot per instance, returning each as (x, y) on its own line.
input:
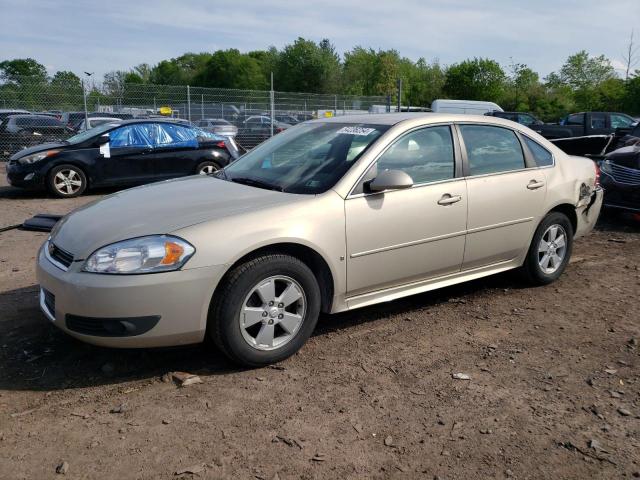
(117, 34)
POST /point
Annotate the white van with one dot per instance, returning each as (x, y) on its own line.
(473, 107)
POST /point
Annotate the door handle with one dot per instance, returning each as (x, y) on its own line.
(448, 199)
(534, 184)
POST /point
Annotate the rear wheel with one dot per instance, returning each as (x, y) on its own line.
(550, 249)
(265, 311)
(207, 168)
(66, 181)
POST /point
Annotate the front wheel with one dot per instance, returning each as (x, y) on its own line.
(66, 181)
(550, 250)
(265, 311)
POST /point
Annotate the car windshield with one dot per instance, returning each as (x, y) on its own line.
(308, 158)
(93, 132)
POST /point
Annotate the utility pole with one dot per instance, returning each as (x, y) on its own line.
(399, 94)
(84, 97)
(272, 102)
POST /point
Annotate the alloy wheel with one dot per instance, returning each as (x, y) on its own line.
(208, 170)
(272, 313)
(67, 181)
(552, 249)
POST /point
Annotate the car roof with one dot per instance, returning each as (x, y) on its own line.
(395, 118)
(170, 121)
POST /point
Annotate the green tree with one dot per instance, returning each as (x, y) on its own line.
(231, 69)
(305, 66)
(477, 79)
(17, 69)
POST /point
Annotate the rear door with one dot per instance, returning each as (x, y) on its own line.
(506, 195)
(175, 150)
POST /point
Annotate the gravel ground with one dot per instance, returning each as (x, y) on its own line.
(554, 389)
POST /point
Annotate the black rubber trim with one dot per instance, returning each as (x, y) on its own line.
(111, 327)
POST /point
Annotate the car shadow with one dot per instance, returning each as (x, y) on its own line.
(618, 221)
(36, 356)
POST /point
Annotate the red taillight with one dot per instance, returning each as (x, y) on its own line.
(597, 175)
(221, 144)
(278, 130)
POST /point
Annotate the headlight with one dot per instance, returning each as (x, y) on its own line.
(605, 166)
(156, 253)
(36, 157)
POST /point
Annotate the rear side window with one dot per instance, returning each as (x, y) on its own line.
(541, 155)
(597, 120)
(491, 149)
(575, 119)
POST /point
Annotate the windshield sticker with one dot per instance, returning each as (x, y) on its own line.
(356, 131)
(105, 151)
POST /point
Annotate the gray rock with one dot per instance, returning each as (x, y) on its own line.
(62, 468)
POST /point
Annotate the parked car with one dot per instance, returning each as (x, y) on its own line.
(286, 118)
(585, 124)
(126, 153)
(329, 216)
(95, 121)
(522, 118)
(6, 112)
(18, 132)
(621, 178)
(256, 129)
(218, 126)
(119, 115)
(72, 119)
(472, 107)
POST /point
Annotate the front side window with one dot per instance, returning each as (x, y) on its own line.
(426, 155)
(129, 136)
(491, 149)
(621, 121)
(541, 155)
(306, 159)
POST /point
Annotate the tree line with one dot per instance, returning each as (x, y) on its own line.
(584, 82)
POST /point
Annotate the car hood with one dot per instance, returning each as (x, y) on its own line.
(38, 148)
(158, 208)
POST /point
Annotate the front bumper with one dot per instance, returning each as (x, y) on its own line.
(127, 311)
(620, 195)
(24, 176)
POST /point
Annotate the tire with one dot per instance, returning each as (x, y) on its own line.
(240, 317)
(533, 269)
(74, 185)
(207, 168)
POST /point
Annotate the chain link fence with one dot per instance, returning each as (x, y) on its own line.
(34, 111)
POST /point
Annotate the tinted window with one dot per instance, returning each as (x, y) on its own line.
(541, 155)
(491, 149)
(621, 121)
(597, 120)
(575, 119)
(526, 119)
(426, 155)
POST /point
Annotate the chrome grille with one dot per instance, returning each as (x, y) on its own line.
(626, 175)
(59, 255)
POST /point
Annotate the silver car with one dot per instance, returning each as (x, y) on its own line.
(331, 215)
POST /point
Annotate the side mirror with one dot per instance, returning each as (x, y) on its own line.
(102, 140)
(390, 180)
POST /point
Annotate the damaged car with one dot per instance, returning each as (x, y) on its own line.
(328, 216)
(125, 153)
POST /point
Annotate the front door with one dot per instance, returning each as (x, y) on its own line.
(400, 236)
(126, 160)
(506, 198)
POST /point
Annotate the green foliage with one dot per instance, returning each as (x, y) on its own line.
(584, 82)
(477, 79)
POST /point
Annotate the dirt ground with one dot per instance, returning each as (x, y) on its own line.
(554, 389)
